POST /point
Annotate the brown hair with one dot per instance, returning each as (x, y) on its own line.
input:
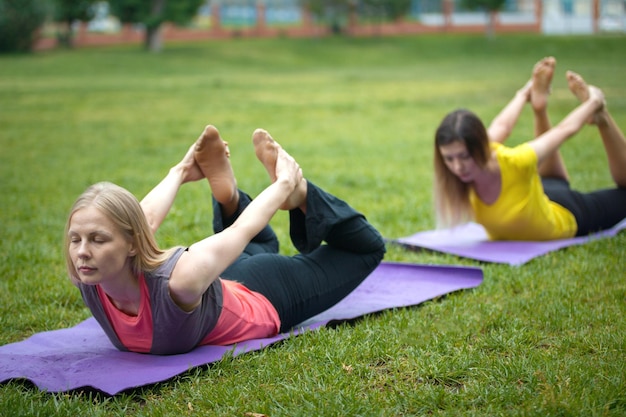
(452, 206)
(119, 205)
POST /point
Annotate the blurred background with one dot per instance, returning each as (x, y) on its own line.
(45, 24)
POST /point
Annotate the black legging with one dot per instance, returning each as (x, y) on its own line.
(594, 211)
(304, 285)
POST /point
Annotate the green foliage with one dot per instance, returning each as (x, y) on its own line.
(488, 5)
(544, 339)
(68, 11)
(181, 12)
(130, 11)
(154, 12)
(333, 12)
(19, 23)
(393, 9)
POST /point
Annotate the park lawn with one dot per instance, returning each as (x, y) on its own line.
(547, 338)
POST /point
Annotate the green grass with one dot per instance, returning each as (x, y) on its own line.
(544, 339)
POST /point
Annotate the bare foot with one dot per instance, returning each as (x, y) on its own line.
(541, 81)
(211, 154)
(580, 89)
(267, 150)
(577, 86)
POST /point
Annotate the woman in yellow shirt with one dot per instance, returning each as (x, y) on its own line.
(523, 192)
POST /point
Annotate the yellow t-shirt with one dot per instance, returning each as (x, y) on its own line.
(522, 210)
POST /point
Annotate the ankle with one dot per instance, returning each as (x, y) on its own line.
(225, 193)
(297, 199)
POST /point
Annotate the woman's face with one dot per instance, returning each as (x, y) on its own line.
(100, 252)
(459, 161)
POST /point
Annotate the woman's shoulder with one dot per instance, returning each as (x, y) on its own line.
(167, 264)
(520, 156)
(522, 150)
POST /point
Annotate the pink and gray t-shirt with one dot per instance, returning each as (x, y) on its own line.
(229, 313)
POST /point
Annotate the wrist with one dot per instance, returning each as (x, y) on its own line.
(286, 184)
(601, 118)
(177, 172)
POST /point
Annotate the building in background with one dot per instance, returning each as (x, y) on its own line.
(583, 16)
(288, 18)
(550, 16)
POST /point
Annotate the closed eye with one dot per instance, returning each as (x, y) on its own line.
(99, 237)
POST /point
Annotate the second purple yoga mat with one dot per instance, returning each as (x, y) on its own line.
(470, 241)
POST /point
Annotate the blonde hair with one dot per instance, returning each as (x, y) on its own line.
(451, 195)
(124, 210)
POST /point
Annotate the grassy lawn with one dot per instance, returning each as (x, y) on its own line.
(544, 339)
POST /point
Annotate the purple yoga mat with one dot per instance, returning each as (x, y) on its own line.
(470, 241)
(82, 357)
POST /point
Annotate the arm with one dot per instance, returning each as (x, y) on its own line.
(550, 141)
(502, 125)
(207, 259)
(158, 202)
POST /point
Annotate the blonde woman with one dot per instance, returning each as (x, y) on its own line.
(523, 192)
(230, 286)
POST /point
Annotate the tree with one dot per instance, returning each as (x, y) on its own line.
(491, 7)
(152, 14)
(20, 21)
(397, 9)
(332, 12)
(392, 9)
(67, 12)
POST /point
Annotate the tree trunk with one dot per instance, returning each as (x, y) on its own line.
(491, 24)
(154, 38)
(65, 37)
